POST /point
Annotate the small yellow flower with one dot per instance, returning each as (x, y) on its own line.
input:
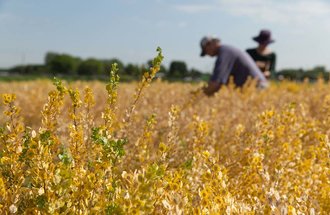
(204, 194)
(162, 147)
(218, 200)
(291, 210)
(197, 211)
(214, 183)
(174, 186)
(8, 98)
(4, 160)
(206, 154)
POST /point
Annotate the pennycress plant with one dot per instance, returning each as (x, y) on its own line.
(163, 152)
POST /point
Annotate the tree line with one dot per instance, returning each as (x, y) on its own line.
(301, 74)
(58, 64)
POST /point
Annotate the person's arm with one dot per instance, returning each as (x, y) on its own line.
(211, 88)
(222, 68)
(273, 66)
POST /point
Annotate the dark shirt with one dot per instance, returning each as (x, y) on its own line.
(234, 62)
(269, 59)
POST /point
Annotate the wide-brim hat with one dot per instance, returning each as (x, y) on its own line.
(264, 37)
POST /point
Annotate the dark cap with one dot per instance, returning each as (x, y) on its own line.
(204, 41)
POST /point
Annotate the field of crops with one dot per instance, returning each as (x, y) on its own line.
(132, 148)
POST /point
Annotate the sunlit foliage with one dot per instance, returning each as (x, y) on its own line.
(156, 148)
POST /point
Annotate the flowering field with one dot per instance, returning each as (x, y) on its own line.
(158, 148)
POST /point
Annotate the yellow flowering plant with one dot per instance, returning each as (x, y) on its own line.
(148, 148)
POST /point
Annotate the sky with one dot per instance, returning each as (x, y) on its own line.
(131, 30)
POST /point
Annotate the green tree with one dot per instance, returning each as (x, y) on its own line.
(49, 57)
(107, 66)
(133, 70)
(316, 73)
(291, 74)
(30, 69)
(178, 69)
(61, 63)
(90, 66)
(195, 74)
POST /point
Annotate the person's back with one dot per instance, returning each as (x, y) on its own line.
(232, 61)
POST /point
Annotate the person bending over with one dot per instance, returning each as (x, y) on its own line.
(230, 61)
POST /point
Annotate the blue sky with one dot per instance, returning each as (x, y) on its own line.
(131, 30)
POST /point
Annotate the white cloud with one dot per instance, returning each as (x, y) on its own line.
(299, 12)
(194, 8)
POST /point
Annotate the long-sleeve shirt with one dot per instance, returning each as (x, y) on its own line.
(232, 61)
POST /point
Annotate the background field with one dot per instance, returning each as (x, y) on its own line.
(241, 151)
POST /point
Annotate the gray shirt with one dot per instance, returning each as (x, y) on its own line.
(234, 62)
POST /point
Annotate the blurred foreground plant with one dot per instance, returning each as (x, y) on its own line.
(245, 152)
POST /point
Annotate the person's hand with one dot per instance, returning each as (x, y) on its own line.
(267, 74)
(211, 88)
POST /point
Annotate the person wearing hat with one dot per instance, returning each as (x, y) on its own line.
(230, 61)
(264, 57)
